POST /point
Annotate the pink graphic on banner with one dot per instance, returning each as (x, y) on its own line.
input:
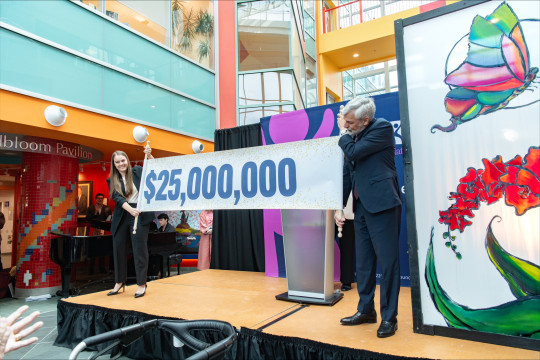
(312, 123)
(289, 127)
(328, 122)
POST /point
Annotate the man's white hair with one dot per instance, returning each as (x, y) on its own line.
(362, 107)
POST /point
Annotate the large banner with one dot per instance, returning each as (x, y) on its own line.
(470, 108)
(317, 122)
(299, 175)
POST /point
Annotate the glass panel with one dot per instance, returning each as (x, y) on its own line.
(41, 18)
(193, 30)
(311, 48)
(371, 9)
(263, 35)
(250, 115)
(250, 89)
(368, 84)
(90, 34)
(193, 80)
(32, 66)
(393, 77)
(330, 99)
(297, 98)
(193, 117)
(309, 25)
(371, 79)
(298, 66)
(311, 82)
(347, 94)
(278, 87)
(254, 115)
(349, 15)
(309, 7)
(347, 80)
(29, 65)
(147, 17)
(267, 87)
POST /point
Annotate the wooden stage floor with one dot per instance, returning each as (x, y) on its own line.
(248, 299)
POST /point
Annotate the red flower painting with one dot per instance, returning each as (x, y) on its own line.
(518, 180)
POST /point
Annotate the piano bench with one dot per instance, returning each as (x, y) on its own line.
(173, 259)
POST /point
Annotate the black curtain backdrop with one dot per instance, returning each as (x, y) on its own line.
(238, 235)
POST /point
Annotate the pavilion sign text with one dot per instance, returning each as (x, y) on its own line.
(15, 142)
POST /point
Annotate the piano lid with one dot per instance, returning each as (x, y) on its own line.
(80, 231)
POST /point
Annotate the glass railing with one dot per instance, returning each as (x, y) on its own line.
(359, 11)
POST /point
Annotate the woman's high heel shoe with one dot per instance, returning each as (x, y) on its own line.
(123, 287)
(141, 294)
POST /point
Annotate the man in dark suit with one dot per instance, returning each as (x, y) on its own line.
(100, 212)
(370, 173)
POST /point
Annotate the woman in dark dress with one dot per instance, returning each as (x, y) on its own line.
(124, 185)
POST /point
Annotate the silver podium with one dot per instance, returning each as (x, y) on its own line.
(308, 242)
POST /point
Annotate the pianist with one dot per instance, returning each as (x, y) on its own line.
(124, 185)
(164, 225)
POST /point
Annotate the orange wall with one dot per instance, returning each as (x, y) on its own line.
(20, 114)
(227, 64)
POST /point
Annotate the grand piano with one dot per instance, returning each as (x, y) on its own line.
(81, 243)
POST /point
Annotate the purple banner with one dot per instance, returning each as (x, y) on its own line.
(313, 123)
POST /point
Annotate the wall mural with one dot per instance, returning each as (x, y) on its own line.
(187, 225)
(497, 69)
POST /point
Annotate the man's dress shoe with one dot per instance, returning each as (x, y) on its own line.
(346, 287)
(360, 318)
(387, 328)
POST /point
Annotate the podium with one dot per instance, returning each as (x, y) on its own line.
(308, 241)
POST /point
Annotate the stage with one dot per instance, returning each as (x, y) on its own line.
(247, 301)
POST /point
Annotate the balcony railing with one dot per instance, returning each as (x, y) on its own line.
(359, 11)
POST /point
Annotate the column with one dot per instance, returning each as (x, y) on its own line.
(48, 202)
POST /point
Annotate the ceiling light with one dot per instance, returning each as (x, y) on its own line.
(355, 55)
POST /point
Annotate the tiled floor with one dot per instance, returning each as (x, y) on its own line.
(44, 349)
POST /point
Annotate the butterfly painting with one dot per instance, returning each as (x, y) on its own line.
(495, 71)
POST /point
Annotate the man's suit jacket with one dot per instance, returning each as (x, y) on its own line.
(369, 165)
(145, 218)
(91, 213)
(168, 228)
